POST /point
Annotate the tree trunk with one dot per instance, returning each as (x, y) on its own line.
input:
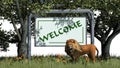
(106, 45)
(22, 45)
(105, 51)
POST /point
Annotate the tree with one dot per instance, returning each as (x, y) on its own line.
(107, 24)
(17, 11)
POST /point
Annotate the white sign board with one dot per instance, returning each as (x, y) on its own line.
(54, 31)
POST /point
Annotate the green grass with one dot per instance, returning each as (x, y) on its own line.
(51, 62)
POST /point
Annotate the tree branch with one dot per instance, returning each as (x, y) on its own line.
(19, 12)
(18, 33)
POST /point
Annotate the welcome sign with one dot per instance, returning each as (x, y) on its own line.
(54, 31)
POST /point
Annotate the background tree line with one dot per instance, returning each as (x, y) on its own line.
(107, 24)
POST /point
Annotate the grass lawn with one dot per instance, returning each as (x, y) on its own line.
(57, 62)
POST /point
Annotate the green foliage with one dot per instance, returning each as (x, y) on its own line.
(36, 8)
(108, 20)
(4, 40)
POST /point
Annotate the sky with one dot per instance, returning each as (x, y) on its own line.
(114, 48)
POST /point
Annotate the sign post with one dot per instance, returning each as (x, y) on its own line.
(29, 38)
